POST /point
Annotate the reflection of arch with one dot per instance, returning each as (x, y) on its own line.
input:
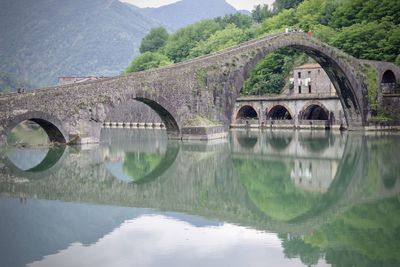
(315, 111)
(51, 162)
(165, 163)
(163, 166)
(314, 143)
(51, 125)
(388, 77)
(247, 141)
(279, 112)
(389, 181)
(247, 111)
(279, 141)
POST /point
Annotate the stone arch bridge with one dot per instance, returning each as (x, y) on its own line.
(195, 99)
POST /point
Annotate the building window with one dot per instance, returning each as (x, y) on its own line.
(299, 74)
(319, 71)
(309, 73)
(309, 88)
(299, 89)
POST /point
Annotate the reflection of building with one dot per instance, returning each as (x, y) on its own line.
(310, 99)
(313, 175)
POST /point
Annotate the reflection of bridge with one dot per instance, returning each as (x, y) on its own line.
(292, 144)
(188, 94)
(313, 157)
(201, 180)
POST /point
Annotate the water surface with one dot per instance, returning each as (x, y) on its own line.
(283, 198)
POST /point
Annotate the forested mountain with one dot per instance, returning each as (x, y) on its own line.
(44, 39)
(183, 13)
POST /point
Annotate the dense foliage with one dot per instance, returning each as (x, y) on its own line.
(154, 40)
(366, 29)
(147, 61)
(261, 12)
(268, 77)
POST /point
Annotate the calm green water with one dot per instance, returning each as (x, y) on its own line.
(256, 199)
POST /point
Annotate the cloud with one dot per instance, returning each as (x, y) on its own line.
(157, 240)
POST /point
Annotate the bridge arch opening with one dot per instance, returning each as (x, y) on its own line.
(388, 77)
(348, 88)
(143, 111)
(247, 112)
(388, 82)
(315, 112)
(169, 121)
(279, 112)
(34, 128)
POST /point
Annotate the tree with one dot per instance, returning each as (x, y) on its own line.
(239, 20)
(148, 60)
(279, 5)
(370, 40)
(260, 13)
(179, 44)
(278, 22)
(153, 41)
(230, 36)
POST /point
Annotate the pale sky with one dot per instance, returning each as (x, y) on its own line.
(238, 4)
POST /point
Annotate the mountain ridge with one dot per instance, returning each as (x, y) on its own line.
(45, 39)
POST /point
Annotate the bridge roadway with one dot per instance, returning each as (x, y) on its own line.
(195, 99)
(201, 180)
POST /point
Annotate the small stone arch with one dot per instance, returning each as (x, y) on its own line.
(50, 124)
(388, 82)
(247, 112)
(388, 77)
(280, 112)
(314, 111)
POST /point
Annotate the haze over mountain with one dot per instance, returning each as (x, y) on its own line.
(183, 13)
(45, 39)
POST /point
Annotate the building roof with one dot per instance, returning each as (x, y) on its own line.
(309, 66)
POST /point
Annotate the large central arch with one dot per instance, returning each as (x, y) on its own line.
(341, 69)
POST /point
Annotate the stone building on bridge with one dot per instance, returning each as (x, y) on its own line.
(310, 99)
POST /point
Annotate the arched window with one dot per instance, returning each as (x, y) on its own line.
(388, 83)
(279, 113)
(247, 112)
(315, 112)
